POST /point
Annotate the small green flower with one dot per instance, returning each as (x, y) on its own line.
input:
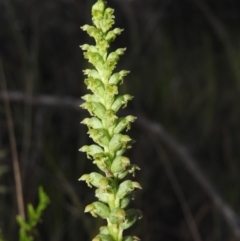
(105, 129)
(98, 209)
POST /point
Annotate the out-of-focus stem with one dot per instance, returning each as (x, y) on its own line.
(16, 166)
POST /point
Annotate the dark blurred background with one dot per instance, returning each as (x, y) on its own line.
(185, 77)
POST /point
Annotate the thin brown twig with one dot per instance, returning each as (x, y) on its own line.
(29, 59)
(15, 160)
(52, 101)
(177, 189)
(30, 77)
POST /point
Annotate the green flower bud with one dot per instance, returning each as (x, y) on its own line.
(95, 59)
(91, 150)
(113, 58)
(122, 175)
(93, 73)
(115, 143)
(96, 86)
(104, 230)
(107, 185)
(98, 6)
(89, 48)
(90, 98)
(93, 32)
(108, 13)
(124, 202)
(121, 151)
(117, 216)
(118, 77)
(93, 122)
(130, 169)
(103, 46)
(100, 136)
(119, 164)
(119, 141)
(94, 108)
(103, 162)
(107, 24)
(111, 35)
(97, 12)
(92, 178)
(111, 90)
(132, 215)
(120, 101)
(124, 122)
(126, 187)
(110, 117)
(117, 31)
(103, 196)
(98, 209)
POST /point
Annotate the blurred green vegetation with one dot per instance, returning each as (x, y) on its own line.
(184, 58)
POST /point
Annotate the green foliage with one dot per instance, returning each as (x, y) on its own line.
(27, 230)
(105, 128)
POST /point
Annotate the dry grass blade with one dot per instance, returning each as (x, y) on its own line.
(16, 166)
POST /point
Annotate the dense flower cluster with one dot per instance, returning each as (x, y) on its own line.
(105, 128)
